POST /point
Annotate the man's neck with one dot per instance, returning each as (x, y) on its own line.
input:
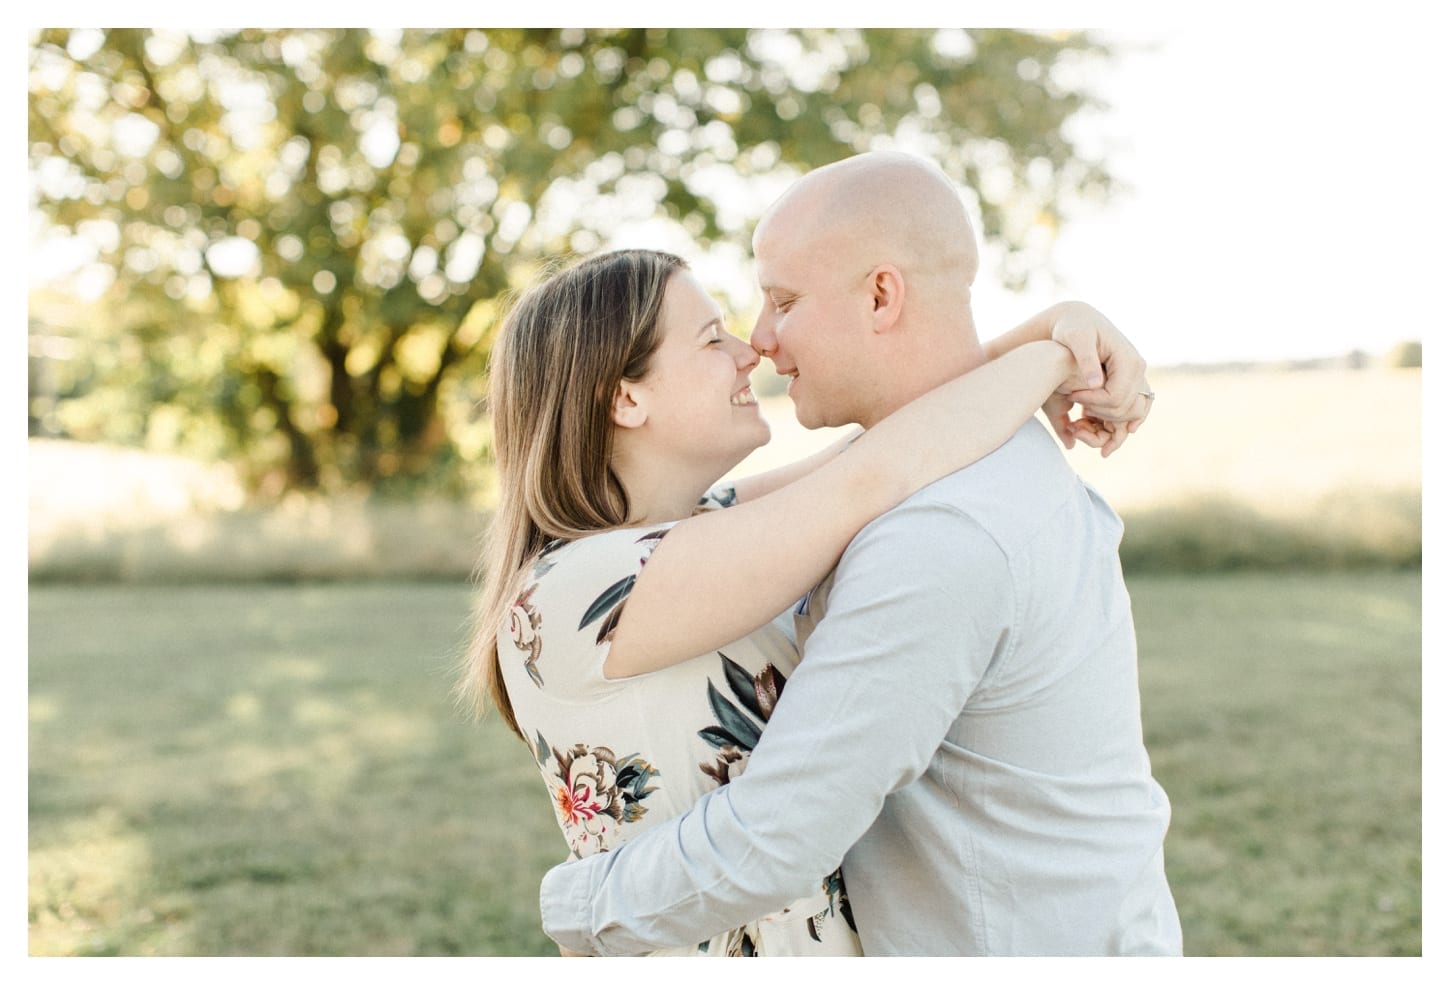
(918, 373)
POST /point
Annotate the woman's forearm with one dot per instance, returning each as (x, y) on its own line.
(754, 486)
(1035, 329)
(978, 412)
(715, 577)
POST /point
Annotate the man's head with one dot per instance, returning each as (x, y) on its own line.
(866, 266)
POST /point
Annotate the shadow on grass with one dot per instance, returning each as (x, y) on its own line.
(272, 771)
(304, 539)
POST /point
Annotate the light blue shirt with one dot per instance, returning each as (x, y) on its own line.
(963, 730)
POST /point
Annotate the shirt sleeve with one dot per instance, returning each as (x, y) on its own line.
(920, 603)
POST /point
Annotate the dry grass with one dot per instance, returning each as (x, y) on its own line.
(1273, 440)
(1233, 469)
(109, 514)
(1260, 468)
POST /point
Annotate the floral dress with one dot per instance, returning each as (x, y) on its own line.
(621, 755)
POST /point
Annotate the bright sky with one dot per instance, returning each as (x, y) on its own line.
(1286, 197)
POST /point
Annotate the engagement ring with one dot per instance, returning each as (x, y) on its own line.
(1146, 393)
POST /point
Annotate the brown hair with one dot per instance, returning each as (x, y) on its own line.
(559, 357)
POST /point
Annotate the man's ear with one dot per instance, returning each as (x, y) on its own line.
(627, 409)
(887, 289)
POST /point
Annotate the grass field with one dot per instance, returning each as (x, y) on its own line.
(276, 770)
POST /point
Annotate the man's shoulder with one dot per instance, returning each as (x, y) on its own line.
(1027, 472)
(998, 503)
(924, 537)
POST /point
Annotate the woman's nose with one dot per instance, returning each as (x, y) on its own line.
(746, 356)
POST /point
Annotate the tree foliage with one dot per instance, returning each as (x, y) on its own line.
(302, 238)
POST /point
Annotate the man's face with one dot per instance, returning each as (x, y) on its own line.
(812, 322)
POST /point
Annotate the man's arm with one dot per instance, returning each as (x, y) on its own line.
(918, 606)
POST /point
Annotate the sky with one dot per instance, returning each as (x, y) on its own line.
(1284, 193)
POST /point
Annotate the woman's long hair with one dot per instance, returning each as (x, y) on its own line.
(554, 370)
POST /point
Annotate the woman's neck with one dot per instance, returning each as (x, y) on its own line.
(660, 491)
(661, 506)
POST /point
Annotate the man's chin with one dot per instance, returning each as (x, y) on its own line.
(808, 418)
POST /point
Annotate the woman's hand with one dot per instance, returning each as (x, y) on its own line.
(1111, 383)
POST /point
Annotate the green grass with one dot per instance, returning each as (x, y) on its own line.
(277, 770)
(1283, 715)
(271, 770)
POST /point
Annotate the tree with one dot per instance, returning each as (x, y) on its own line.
(305, 236)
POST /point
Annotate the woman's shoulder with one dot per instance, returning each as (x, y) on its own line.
(609, 555)
(569, 604)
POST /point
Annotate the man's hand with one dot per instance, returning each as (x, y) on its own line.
(564, 952)
(1111, 384)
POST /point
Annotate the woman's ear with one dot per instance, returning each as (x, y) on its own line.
(888, 296)
(627, 409)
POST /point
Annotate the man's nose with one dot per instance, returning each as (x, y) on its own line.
(762, 336)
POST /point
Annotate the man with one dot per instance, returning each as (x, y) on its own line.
(963, 728)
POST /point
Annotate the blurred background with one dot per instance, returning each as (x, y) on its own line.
(265, 272)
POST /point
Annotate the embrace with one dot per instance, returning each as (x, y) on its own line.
(882, 701)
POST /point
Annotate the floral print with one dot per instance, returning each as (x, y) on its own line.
(544, 563)
(524, 622)
(627, 754)
(594, 792)
(834, 886)
(740, 944)
(612, 599)
(735, 731)
(734, 736)
(716, 499)
(728, 764)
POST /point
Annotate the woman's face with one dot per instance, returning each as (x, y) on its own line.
(696, 394)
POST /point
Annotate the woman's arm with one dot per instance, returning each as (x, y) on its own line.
(1096, 345)
(754, 486)
(719, 575)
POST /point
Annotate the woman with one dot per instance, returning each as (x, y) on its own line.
(618, 399)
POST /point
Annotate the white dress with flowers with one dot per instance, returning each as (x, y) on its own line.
(618, 756)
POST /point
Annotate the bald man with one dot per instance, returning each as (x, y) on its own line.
(962, 735)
